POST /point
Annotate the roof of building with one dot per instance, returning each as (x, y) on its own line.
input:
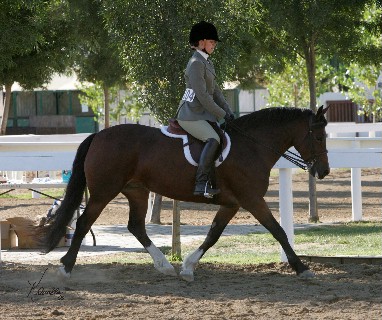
(59, 82)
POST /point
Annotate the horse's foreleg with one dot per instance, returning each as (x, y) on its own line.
(262, 213)
(222, 218)
(138, 202)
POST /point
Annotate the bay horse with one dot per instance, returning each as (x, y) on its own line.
(134, 159)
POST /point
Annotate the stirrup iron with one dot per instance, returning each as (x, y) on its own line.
(206, 193)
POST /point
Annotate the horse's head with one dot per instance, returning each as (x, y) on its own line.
(313, 147)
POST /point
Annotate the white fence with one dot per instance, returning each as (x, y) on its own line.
(56, 152)
(352, 129)
(351, 154)
(39, 152)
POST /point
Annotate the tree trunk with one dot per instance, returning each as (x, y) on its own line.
(106, 94)
(157, 206)
(295, 93)
(7, 106)
(176, 244)
(313, 212)
(310, 58)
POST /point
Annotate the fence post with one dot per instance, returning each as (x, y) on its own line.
(156, 210)
(356, 190)
(176, 245)
(0, 243)
(356, 194)
(149, 208)
(286, 206)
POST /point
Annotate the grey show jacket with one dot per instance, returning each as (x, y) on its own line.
(203, 99)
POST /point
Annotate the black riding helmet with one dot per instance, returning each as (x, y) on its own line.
(203, 30)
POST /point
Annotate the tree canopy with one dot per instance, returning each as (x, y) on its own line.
(307, 28)
(96, 58)
(303, 28)
(333, 71)
(154, 44)
(36, 43)
(146, 43)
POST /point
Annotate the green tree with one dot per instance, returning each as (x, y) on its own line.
(363, 88)
(286, 76)
(303, 28)
(153, 41)
(35, 37)
(361, 75)
(126, 101)
(367, 50)
(290, 87)
(97, 59)
(19, 33)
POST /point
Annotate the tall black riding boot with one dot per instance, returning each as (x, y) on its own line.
(206, 163)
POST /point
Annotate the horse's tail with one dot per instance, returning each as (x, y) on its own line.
(53, 233)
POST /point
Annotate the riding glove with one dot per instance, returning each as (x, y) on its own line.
(229, 117)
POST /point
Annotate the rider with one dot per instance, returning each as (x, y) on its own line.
(203, 102)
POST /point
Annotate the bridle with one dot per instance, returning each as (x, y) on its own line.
(308, 164)
(289, 155)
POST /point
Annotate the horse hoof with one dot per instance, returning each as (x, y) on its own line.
(307, 274)
(62, 274)
(167, 269)
(187, 275)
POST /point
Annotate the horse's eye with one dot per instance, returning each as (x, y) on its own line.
(319, 138)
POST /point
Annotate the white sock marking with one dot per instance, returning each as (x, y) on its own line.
(160, 261)
(192, 259)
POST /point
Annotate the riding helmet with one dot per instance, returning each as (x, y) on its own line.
(203, 30)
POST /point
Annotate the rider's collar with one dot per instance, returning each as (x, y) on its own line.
(205, 55)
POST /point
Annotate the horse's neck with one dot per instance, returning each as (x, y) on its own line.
(278, 138)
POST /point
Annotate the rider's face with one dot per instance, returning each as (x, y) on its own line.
(207, 45)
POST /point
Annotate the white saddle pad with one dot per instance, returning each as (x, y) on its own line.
(186, 147)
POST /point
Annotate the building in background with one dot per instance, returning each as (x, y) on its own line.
(245, 101)
(55, 109)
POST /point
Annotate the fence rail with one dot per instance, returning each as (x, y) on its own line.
(353, 129)
(28, 153)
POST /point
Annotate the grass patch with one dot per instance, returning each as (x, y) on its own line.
(356, 238)
(27, 194)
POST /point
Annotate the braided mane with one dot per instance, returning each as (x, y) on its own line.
(272, 116)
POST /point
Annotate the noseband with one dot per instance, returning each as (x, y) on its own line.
(288, 155)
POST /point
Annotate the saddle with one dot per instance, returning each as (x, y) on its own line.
(193, 147)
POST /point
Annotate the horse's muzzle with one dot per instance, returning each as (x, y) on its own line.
(319, 170)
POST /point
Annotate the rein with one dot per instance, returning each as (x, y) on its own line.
(288, 155)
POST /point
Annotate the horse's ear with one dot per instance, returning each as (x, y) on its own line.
(321, 111)
(326, 109)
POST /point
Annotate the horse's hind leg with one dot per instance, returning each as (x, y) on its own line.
(85, 221)
(222, 218)
(138, 202)
(262, 213)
